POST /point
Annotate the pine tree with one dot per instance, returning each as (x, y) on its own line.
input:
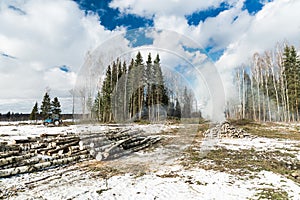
(55, 107)
(46, 106)
(34, 113)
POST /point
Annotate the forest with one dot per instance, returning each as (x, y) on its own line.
(268, 87)
(137, 91)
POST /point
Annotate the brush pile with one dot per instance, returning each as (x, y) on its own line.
(225, 130)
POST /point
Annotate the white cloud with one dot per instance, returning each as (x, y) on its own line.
(43, 35)
(52, 33)
(276, 22)
(234, 30)
(150, 8)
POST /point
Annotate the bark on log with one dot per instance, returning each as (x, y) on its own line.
(10, 147)
(39, 166)
(92, 136)
(25, 162)
(123, 135)
(62, 147)
(7, 154)
(22, 140)
(136, 143)
(58, 139)
(106, 153)
(5, 161)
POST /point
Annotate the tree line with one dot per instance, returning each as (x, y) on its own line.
(47, 108)
(269, 88)
(137, 91)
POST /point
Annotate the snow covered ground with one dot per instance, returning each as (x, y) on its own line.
(153, 174)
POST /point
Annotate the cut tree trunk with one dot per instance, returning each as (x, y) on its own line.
(39, 166)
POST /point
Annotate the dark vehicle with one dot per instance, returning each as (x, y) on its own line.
(53, 119)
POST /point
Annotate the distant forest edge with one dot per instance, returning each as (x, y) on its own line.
(267, 89)
(10, 116)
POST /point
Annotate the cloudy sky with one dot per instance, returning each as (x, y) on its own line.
(44, 44)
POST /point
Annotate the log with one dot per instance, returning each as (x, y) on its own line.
(43, 150)
(96, 144)
(136, 143)
(5, 161)
(10, 147)
(62, 147)
(104, 155)
(58, 139)
(2, 143)
(92, 136)
(7, 154)
(60, 143)
(80, 152)
(123, 134)
(82, 146)
(23, 140)
(146, 145)
(53, 135)
(30, 161)
(39, 166)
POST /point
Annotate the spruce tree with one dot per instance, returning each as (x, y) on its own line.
(187, 104)
(106, 91)
(129, 89)
(149, 81)
(171, 109)
(177, 111)
(55, 107)
(160, 93)
(46, 106)
(34, 113)
(114, 75)
(292, 78)
(139, 93)
(124, 90)
(98, 107)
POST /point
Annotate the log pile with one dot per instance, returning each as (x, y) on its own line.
(26, 155)
(116, 143)
(225, 130)
(32, 154)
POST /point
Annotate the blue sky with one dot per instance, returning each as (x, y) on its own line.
(44, 43)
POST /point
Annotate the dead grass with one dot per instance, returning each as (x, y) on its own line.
(243, 162)
(265, 131)
(268, 129)
(109, 169)
(272, 194)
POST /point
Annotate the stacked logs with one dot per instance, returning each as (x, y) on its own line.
(225, 130)
(32, 154)
(116, 143)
